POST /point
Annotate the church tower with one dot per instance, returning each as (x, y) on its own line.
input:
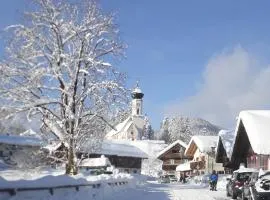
(137, 101)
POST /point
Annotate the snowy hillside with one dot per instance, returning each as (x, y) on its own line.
(184, 128)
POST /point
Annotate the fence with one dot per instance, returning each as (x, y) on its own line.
(51, 190)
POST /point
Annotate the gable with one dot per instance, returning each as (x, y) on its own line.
(176, 147)
(191, 149)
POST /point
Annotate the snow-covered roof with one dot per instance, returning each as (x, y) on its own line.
(244, 169)
(149, 147)
(183, 167)
(227, 138)
(95, 162)
(113, 147)
(183, 144)
(203, 143)
(257, 126)
(30, 133)
(53, 146)
(109, 147)
(20, 140)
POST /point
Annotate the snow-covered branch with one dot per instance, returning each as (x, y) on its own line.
(58, 67)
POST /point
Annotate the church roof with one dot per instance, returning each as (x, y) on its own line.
(120, 127)
(137, 121)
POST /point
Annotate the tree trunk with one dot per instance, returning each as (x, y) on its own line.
(71, 167)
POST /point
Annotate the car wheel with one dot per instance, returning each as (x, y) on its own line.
(243, 196)
(234, 196)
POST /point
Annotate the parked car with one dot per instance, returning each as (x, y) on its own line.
(260, 190)
(247, 184)
(172, 178)
(235, 183)
(164, 179)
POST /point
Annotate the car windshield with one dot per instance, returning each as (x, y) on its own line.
(243, 176)
(265, 176)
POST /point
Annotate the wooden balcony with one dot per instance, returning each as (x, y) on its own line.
(199, 165)
(173, 162)
(173, 156)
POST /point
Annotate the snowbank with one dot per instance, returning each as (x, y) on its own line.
(222, 181)
(27, 179)
(105, 185)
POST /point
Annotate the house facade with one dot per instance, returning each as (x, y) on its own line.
(251, 145)
(172, 156)
(202, 151)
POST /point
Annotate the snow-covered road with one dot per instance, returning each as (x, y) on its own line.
(156, 191)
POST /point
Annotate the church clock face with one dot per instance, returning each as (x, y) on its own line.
(138, 105)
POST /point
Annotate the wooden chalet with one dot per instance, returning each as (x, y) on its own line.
(172, 156)
(224, 149)
(202, 150)
(251, 145)
(122, 155)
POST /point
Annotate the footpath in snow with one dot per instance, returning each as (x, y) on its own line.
(155, 191)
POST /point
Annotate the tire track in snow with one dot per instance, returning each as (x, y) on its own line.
(184, 192)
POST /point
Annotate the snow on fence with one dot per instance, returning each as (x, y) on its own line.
(99, 190)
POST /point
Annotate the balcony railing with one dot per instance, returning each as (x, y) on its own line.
(173, 162)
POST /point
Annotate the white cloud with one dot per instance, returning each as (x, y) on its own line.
(232, 81)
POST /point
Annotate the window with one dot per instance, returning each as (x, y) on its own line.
(263, 162)
(132, 136)
(171, 161)
(202, 158)
(138, 111)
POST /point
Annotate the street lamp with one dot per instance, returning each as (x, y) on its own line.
(198, 167)
(213, 156)
(181, 152)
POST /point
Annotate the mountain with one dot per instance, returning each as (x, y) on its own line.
(184, 128)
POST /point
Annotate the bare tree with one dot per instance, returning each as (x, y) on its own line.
(58, 66)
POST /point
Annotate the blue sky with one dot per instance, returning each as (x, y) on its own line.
(175, 48)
